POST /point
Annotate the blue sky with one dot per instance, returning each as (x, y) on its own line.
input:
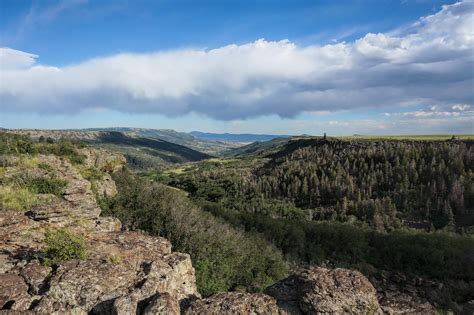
(238, 66)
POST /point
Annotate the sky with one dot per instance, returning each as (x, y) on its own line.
(370, 67)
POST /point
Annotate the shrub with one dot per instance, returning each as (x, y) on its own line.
(91, 173)
(28, 161)
(15, 144)
(41, 185)
(45, 167)
(62, 245)
(224, 257)
(77, 158)
(63, 148)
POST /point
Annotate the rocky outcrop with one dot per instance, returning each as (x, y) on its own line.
(121, 268)
(13, 292)
(130, 272)
(321, 290)
(400, 294)
(162, 304)
(124, 271)
(103, 159)
(235, 303)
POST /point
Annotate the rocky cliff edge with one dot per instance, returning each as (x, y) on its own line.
(129, 272)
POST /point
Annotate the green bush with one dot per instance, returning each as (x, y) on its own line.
(115, 259)
(15, 144)
(346, 245)
(64, 148)
(62, 245)
(45, 167)
(91, 173)
(225, 258)
(48, 185)
(40, 185)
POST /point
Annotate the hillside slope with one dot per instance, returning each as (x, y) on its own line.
(258, 148)
(57, 255)
(235, 137)
(212, 147)
(140, 152)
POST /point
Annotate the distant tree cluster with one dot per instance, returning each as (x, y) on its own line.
(379, 182)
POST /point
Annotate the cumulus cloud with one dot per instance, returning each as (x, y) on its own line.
(430, 63)
(15, 59)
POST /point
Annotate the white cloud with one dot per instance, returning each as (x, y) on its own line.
(430, 63)
(14, 59)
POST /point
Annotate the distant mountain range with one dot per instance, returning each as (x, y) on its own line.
(147, 148)
(233, 137)
(208, 146)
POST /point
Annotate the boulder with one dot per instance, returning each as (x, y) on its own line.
(162, 304)
(235, 303)
(142, 267)
(105, 187)
(13, 293)
(321, 290)
(402, 294)
(102, 159)
(35, 276)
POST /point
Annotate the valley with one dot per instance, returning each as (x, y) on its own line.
(392, 209)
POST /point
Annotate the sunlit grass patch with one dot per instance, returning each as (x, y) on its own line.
(28, 161)
(17, 198)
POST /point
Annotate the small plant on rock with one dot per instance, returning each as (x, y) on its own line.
(63, 245)
(115, 259)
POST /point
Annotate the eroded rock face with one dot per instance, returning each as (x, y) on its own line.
(13, 292)
(129, 266)
(103, 159)
(105, 187)
(322, 290)
(124, 271)
(235, 303)
(77, 201)
(162, 304)
(399, 294)
(129, 272)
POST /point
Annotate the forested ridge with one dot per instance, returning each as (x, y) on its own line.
(386, 184)
(377, 181)
(377, 205)
(390, 205)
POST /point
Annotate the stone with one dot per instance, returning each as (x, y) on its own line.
(321, 290)
(108, 224)
(35, 275)
(400, 294)
(102, 159)
(143, 268)
(235, 303)
(105, 187)
(123, 270)
(162, 304)
(13, 292)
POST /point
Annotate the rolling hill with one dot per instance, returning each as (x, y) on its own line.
(141, 152)
(212, 147)
(231, 137)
